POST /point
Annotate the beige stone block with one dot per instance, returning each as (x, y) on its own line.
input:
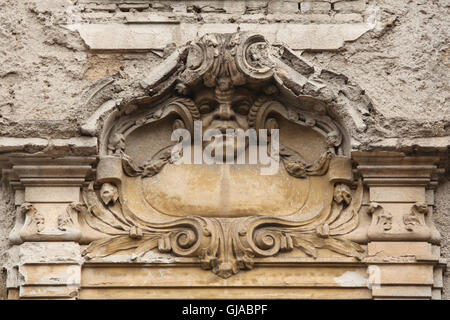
(101, 7)
(49, 252)
(438, 278)
(315, 7)
(49, 172)
(12, 277)
(8, 144)
(52, 194)
(398, 249)
(348, 17)
(166, 276)
(221, 293)
(13, 294)
(109, 169)
(425, 144)
(157, 36)
(280, 6)
(402, 291)
(151, 18)
(397, 194)
(340, 170)
(135, 6)
(50, 274)
(320, 18)
(320, 36)
(350, 6)
(85, 145)
(97, 15)
(234, 7)
(406, 274)
(178, 7)
(19, 197)
(48, 291)
(436, 294)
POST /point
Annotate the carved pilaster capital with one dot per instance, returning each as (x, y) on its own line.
(397, 169)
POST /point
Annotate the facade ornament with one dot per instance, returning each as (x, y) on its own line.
(381, 218)
(415, 217)
(132, 204)
(219, 88)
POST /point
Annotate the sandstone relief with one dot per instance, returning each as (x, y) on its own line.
(223, 214)
(150, 193)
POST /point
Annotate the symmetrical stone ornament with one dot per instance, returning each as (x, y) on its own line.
(227, 214)
(128, 205)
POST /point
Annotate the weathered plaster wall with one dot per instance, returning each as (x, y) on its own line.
(442, 220)
(6, 224)
(402, 64)
(45, 68)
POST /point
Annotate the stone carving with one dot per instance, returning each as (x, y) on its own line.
(34, 221)
(116, 143)
(415, 217)
(225, 246)
(225, 215)
(382, 219)
(68, 223)
(387, 226)
(31, 225)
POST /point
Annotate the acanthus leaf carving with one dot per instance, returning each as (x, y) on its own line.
(414, 218)
(223, 245)
(382, 218)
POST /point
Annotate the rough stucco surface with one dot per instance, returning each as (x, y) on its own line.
(6, 224)
(442, 220)
(45, 68)
(402, 64)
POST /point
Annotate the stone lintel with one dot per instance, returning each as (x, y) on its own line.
(75, 145)
(138, 37)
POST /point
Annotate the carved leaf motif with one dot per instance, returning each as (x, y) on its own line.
(222, 245)
(348, 218)
(106, 247)
(382, 218)
(297, 167)
(157, 163)
(129, 167)
(412, 219)
(309, 243)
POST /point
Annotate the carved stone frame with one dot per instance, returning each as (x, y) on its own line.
(223, 62)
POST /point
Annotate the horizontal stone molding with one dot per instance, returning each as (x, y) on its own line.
(157, 36)
(80, 145)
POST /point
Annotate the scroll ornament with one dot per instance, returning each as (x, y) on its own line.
(223, 64)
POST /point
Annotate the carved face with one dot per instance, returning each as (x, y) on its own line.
(342, 193)
(109, 194)
(224, 108)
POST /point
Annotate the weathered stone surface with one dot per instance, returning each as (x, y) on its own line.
(316, 6)
(49, 252)
(391, 194)
(81, 145)
(350, 6)
(142, 37)
(70, 97)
